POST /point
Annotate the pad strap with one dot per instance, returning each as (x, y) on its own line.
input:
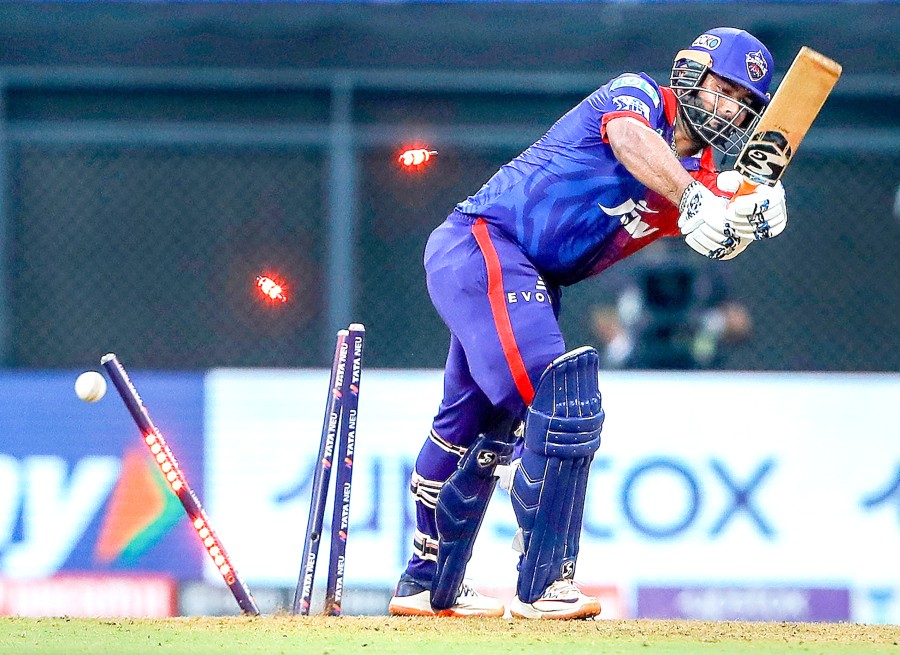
(425, 547)
(425, 491)
(443, 444)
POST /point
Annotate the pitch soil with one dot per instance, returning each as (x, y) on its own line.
(645, 629)
(287, 635)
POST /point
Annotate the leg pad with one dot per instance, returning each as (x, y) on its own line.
(562, 433)
(461, 506)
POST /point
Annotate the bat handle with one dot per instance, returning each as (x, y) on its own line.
(746, 187)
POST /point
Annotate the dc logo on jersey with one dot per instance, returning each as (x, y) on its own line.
(708, 41)
(630, 215)
(632, 104)
(756, 65)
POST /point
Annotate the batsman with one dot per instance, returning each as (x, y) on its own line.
(629, 164)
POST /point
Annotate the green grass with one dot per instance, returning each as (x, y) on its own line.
(402, 636)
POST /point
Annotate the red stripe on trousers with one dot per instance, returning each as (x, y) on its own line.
(497, 299)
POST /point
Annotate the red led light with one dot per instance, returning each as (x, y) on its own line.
(270, 288)
(164, 460)
(214, 549)
(416, 157)
(169, 468)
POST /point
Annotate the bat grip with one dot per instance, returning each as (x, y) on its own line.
(746, 187)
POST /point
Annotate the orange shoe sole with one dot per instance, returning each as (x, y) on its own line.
(411, 611)
(586, 612)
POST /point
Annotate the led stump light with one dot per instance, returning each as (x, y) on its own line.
(168, 465)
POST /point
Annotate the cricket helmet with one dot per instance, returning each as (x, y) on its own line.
(736, 56)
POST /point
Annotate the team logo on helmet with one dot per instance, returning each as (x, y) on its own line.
(708, 41)
(756, 65)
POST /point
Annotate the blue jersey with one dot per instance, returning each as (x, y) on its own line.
(566, 199)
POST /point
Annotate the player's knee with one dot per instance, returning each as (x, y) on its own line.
(566, 416)
(510, 391)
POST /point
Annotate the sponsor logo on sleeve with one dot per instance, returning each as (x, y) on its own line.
(632, 104)
(636, 82)
(707, 41)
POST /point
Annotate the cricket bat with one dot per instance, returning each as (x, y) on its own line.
(788, 117)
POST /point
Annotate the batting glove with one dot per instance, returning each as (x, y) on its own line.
(761, 214)
(707, 223)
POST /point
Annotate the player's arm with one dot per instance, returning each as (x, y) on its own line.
(648, 158)
(703, 216)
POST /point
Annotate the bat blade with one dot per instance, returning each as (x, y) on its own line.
(793, 109)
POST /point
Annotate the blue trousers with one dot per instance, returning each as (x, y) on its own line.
(504, 331)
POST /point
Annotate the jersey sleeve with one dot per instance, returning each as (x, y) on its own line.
(633, 95)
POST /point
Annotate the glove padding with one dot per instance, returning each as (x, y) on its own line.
(758, 215)
(706, 220)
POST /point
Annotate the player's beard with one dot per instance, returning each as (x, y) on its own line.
(703, 127)
(690, 130)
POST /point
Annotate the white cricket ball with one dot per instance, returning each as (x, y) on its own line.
(90, 386)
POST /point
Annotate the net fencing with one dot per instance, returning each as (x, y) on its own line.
(151, 249)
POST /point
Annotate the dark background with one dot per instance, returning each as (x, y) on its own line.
(156, 157)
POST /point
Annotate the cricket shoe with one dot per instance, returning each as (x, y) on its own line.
(561, 600)
(413, 599)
